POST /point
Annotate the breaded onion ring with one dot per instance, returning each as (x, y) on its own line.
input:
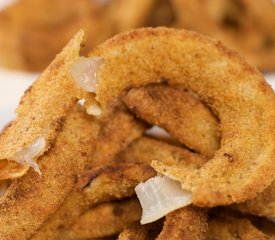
(235, 91)
(34, 119)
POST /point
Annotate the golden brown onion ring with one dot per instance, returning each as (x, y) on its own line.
(225, 82)
(40, 113)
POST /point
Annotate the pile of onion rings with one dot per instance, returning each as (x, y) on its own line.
(96, 172)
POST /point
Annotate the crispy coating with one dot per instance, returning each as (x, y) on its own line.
(244, 25)
(137, 232)
(188, 223)
(262, 205)
(221, 79)
(99, 185)
(146, 149)
(31, 199)
(109, 182)
(229, 227)
(106, 219)
(141, 232)
(184, 116)
(115, 135)
(42, 110)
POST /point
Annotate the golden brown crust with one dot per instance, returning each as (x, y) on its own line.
(229, 227)
(225, 82)
(262, 205)
(180, 113)
(115, 135)
(146, 149)
(187, 223)
(134, 232)
(244, 25)
(99, 185)
(40, 112)
(106, 219)
(31, 199)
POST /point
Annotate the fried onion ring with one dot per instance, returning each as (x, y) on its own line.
(34, 120)
(224, 81)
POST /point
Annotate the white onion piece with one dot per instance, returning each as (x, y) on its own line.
(85, 72)
(157, 132)
(26, 155)
(159, 196)
(94, 109)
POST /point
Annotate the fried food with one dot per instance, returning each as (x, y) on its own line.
(146, 149)
(226, 226)
(153, 102)
(262, 205)
(31, 199)
(99, 185)
(244, 25)
(34, 119)
(225, 82)
(106, 219)
(186, 223)
(185, 118)
(115, 135)
(137, 232)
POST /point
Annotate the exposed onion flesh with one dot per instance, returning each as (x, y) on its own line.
(85, 72)
(157, 132)
(160, 195)
(26, 155)
(94, 109)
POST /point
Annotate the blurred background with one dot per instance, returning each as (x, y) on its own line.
(32, 32)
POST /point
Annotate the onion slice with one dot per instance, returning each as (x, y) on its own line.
(85, 72)
(26, 155)
(94, 109)
(159, 196)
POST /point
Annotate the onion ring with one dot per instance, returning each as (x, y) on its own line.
(34, 118)
(224, 81)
